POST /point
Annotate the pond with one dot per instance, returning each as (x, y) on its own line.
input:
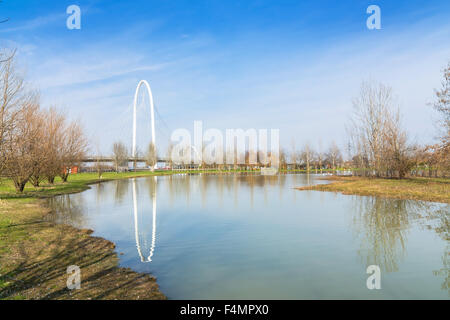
(256, 237)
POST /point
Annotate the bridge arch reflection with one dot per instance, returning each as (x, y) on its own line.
(144, 258)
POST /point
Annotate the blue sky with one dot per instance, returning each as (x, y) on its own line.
(290, 65)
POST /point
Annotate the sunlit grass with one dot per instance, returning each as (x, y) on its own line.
(427, 189)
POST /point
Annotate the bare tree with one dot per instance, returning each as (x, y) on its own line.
(334, 155)
(40, 156)
(293, 155)
(371, 111)
(33, 143)
(307, 156)
(442, 105)
(120, 155)
(441, 152)
(23, 144)
(376, 133)
(72, 149)
(55, 123)
(151, 156)
(283, 159)
(99, 166)
(169, 154)
(13, 98)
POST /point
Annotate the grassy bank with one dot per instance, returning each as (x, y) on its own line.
(76, 183)
(80, 182)
(427, 189)
(35, 254)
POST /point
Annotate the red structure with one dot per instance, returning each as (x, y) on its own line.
(72, 170)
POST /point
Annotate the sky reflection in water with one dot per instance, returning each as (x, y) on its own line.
(255, 237)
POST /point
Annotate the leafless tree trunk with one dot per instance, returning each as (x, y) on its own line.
(441, 153)
(23, 145)
(12, 101)
(376, 132)
(72, 149)
(151, 156)
(120, 155)
(307, 155)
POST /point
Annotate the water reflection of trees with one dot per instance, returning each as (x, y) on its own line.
(67, 209)
(382, 224)
(120, 190)
(225, 185)
(438, 220)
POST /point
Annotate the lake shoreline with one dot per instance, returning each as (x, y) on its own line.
(35, 254)
(424, 189)
(22, 221)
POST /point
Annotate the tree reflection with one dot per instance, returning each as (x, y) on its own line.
(437, 219)
(382, 224)
(120, 190)
(67, 209)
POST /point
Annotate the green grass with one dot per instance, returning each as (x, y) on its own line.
(81, 181)
(76, 183)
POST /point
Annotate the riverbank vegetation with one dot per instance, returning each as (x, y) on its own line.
(378, 144)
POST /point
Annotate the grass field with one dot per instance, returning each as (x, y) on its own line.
(427, 189)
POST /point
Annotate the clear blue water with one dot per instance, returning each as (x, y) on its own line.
(256, 237)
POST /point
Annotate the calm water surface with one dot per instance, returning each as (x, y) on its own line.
(255, 237)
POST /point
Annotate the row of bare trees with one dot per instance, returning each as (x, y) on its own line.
(35, 143)
(309, 158)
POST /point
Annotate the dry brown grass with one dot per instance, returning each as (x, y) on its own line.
(427, 189)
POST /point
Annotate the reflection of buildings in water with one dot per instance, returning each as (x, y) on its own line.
(136, 222)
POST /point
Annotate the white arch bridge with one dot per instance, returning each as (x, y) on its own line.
(134, 157)
(152, 114)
